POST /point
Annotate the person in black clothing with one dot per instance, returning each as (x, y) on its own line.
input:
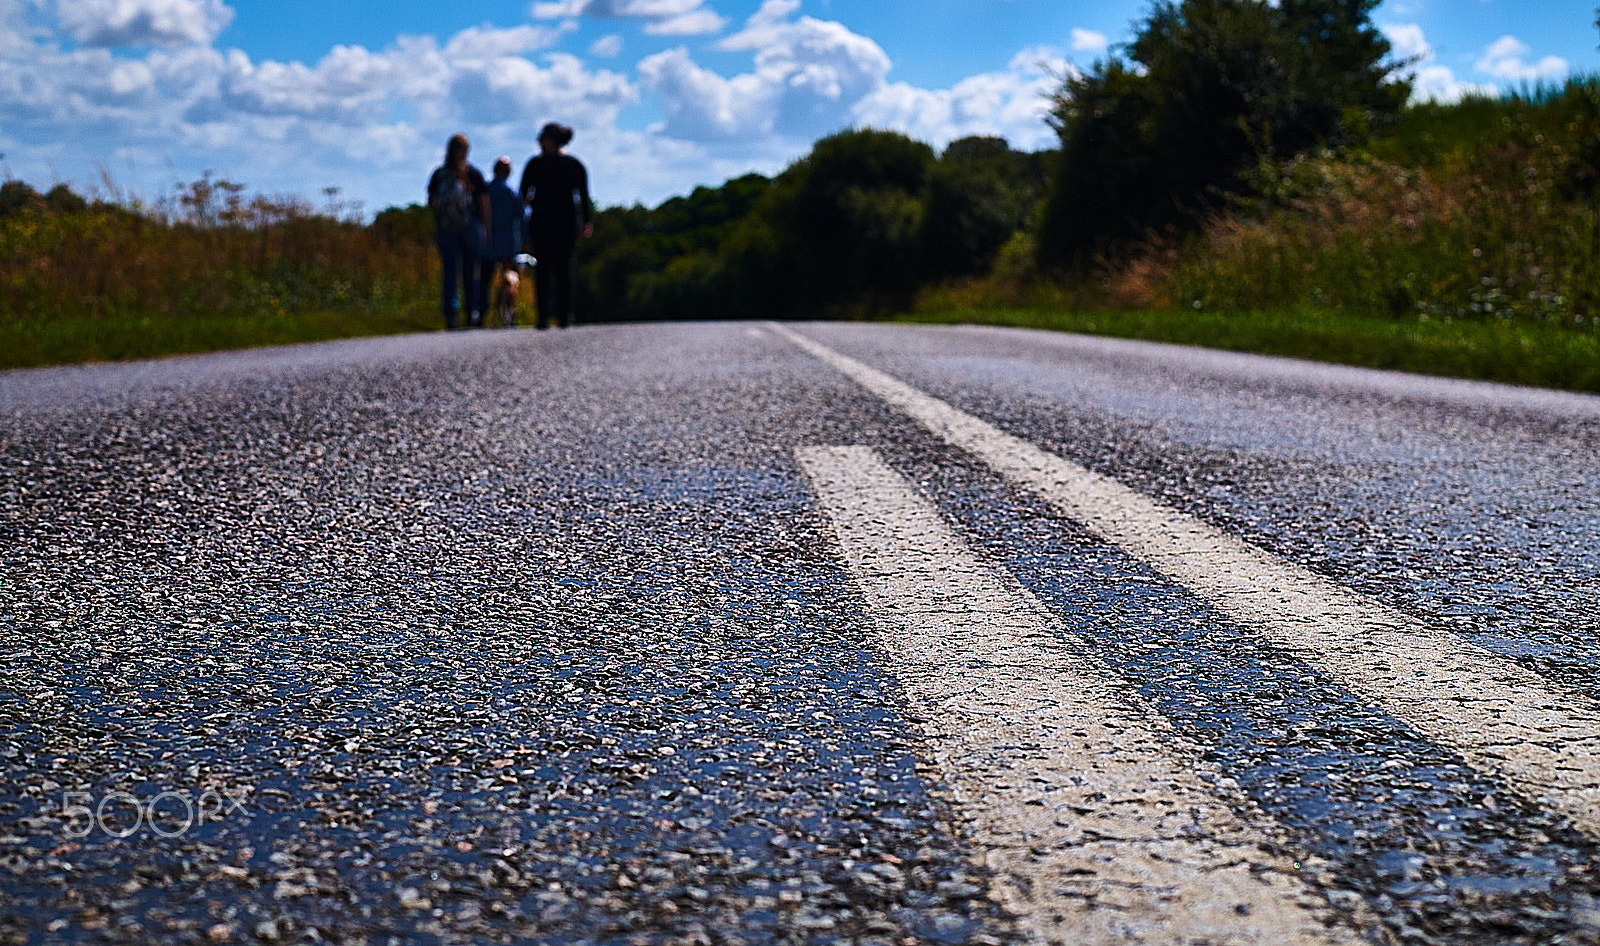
(556, 187)
(459, 198)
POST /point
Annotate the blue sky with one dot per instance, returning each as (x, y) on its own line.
(291, 97)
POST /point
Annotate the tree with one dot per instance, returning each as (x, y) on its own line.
(1102, 188)
(855, 210)
(979, 194)
(17, 197)
(61, 199)
(1212, 87)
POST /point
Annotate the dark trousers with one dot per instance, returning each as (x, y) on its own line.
(552, 280)
(458, 258)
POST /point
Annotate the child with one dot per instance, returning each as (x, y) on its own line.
(506, 233)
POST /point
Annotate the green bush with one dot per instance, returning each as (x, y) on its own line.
(1210, 88)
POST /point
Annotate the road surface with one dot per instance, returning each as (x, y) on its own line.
(815, 632)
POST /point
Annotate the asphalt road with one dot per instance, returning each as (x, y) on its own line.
(822, 632)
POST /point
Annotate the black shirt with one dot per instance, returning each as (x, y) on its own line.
(556, 186)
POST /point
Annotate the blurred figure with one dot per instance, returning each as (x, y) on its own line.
(459, 199)
(507, 232)
(556, 187)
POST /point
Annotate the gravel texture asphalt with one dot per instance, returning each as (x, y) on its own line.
(523, 635)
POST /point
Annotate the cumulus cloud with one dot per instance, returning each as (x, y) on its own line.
(1430, 80)
(143, 22)
(519, 93)
(665, 17)
(607, 47)
(701, 105)
(1010, 104)
(807, 76)
(1506, 57)
(811, 71)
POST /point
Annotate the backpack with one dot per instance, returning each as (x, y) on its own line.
(451, 200)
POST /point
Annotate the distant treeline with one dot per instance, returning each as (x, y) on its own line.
(854, 228)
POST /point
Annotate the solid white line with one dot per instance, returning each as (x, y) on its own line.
(1089, 809)
(1541, 739)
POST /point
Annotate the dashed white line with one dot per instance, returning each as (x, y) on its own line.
(1542, 740)
(1088, 808)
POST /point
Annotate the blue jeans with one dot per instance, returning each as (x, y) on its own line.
(458, 258)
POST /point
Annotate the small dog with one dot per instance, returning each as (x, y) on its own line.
(505, 299)
(506, 288)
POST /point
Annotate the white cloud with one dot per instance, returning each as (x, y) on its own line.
(668, 17)
(807, 76)
(1430, 81)
(1505, 59)
(515, 92)
(607, 47)
(772, 13)
(701, 105)
(812, 71)
(1010, 104)
(1407, 42)
(691, 23)
(489, 42)
(17, 34)
(130, 79)
(1089, 41)
(143, 22)
(348, 85)
(1042, 62)
(1437, 83)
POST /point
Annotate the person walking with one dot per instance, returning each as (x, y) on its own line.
(458, 197)
(506, 231)
(556, 187)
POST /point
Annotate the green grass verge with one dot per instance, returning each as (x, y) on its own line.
(34, 343)
(1534, 354)
(1511, 352)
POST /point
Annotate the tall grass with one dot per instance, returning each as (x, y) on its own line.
(206, 270)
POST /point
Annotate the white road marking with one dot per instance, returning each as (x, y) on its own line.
(1541, 739)
(1088, 809)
